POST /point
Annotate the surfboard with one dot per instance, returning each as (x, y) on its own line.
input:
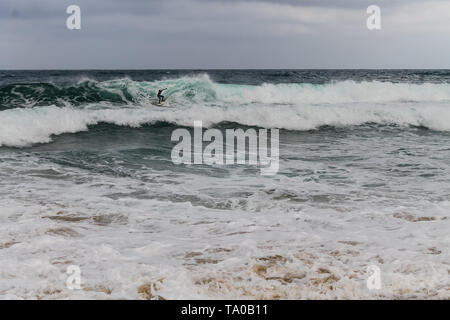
(158, 104)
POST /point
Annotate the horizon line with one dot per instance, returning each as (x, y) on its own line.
(210, 69)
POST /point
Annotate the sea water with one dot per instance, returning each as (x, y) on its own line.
(87, 180)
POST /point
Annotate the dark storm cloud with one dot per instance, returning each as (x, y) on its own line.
(224, 34)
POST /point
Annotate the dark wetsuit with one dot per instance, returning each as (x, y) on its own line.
(160, 96)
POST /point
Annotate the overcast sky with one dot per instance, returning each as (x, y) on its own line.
(135, 34)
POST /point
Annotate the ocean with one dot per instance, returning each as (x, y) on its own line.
(359, 207)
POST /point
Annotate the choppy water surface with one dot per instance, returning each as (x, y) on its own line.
(86, 179)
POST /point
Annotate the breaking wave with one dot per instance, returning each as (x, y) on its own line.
(188, 90)
(33, 113)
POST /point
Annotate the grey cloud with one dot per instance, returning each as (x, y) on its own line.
(221, 34)
(330, 3)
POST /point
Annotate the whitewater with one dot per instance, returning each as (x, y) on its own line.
(86, 179)
(285, 106)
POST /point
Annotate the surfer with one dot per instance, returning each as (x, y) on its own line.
(160, 96)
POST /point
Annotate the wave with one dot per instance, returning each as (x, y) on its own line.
(115, 92)
(24, 127)
(201, 89)
(285, 106)
(41, 94)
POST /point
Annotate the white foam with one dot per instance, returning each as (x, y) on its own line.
(189, 251)
(289, 106)
(23, 127)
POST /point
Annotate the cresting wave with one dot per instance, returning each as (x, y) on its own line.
(286, 106)
(201, 89)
